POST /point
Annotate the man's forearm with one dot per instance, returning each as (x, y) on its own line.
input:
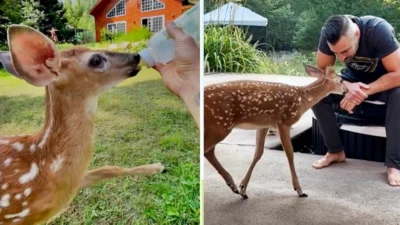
(385, 82)
(192, 102)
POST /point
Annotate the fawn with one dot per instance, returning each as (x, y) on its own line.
(42, 172)
(261, 106)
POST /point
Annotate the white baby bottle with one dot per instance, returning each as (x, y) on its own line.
(161, 47)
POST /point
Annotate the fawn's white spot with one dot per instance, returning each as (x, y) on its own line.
(5, 201)
(25, 203)
(18, 146)
(16, 220)
(56, 164)
(4, 186)
(18, 196)
(27, 192)
(32, 148)
(7, 162)
(91, 105)
(23, 213)
(33, 172)
(46, 134)
(4, 142)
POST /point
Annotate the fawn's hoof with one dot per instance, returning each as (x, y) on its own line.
(233, 188)
(301, 195)
(158, 168)
(243, 191)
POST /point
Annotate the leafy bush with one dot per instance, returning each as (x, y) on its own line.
(107, 36)
(226, 49)
(137, 34)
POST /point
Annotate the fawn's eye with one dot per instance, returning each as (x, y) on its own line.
(95, 61)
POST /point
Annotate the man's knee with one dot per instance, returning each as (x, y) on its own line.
(328, 101)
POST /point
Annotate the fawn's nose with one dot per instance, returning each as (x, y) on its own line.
(136, 58)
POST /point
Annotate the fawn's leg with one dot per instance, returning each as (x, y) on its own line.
(210, 140)
(284, 133)
(93, 177)
(260, 140)
(210, 156)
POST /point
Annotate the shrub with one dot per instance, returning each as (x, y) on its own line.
(226, 49)
(107, 36)
(137, 34)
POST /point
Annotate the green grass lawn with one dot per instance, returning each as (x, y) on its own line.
(138, 122)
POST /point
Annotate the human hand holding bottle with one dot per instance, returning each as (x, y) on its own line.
(182, 75)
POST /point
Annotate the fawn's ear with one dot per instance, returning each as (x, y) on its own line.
(5, 59)
(313, 71)
(330, 72)
(34, 56)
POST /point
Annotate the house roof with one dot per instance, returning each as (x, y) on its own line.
(99, 5)
(187, 7)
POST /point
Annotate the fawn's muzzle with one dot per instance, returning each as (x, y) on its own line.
(134, 61)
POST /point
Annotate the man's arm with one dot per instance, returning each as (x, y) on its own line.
(324, 60)
(389, 80)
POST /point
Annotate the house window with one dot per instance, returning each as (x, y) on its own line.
(117, 10)
(149, 5)
(119, 27)
(153, 23)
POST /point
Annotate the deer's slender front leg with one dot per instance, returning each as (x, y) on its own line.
(284, 133)
(93, 177)
(210, 156)
(260, 140)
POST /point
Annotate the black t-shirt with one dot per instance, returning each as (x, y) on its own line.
(377, 40)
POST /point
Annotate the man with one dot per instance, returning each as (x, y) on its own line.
(368, 47)
(182, 75)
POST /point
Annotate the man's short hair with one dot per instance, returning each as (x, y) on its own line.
(335, 27)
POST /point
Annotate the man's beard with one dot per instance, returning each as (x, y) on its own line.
(355, 51)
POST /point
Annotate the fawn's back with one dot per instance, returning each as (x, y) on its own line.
(252, 104)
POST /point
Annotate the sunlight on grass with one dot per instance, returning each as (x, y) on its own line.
(138, 122)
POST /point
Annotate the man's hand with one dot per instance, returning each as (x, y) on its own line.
(182, 75)
(347, 105)
(355, 92)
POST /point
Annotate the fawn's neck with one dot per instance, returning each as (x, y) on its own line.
(315, 92)
(68, 130)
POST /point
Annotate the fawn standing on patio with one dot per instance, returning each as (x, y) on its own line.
(261, 105)
(370, 50)
(41, 173)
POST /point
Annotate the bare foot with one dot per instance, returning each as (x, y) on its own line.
(328, 159)
(394, 177)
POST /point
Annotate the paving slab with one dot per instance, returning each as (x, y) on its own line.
(354, 192)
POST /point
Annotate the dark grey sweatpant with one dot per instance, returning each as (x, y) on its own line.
(326, 118)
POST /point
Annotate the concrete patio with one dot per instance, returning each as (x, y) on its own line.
(353, 192)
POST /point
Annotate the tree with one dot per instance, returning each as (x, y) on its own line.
(12, 10)
(4, 23)
(77, 13)
(31, 13)
(281, 21)
(54, 17)
(310, 21)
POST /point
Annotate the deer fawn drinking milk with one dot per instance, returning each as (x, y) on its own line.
(42, 172)
(261, 105)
